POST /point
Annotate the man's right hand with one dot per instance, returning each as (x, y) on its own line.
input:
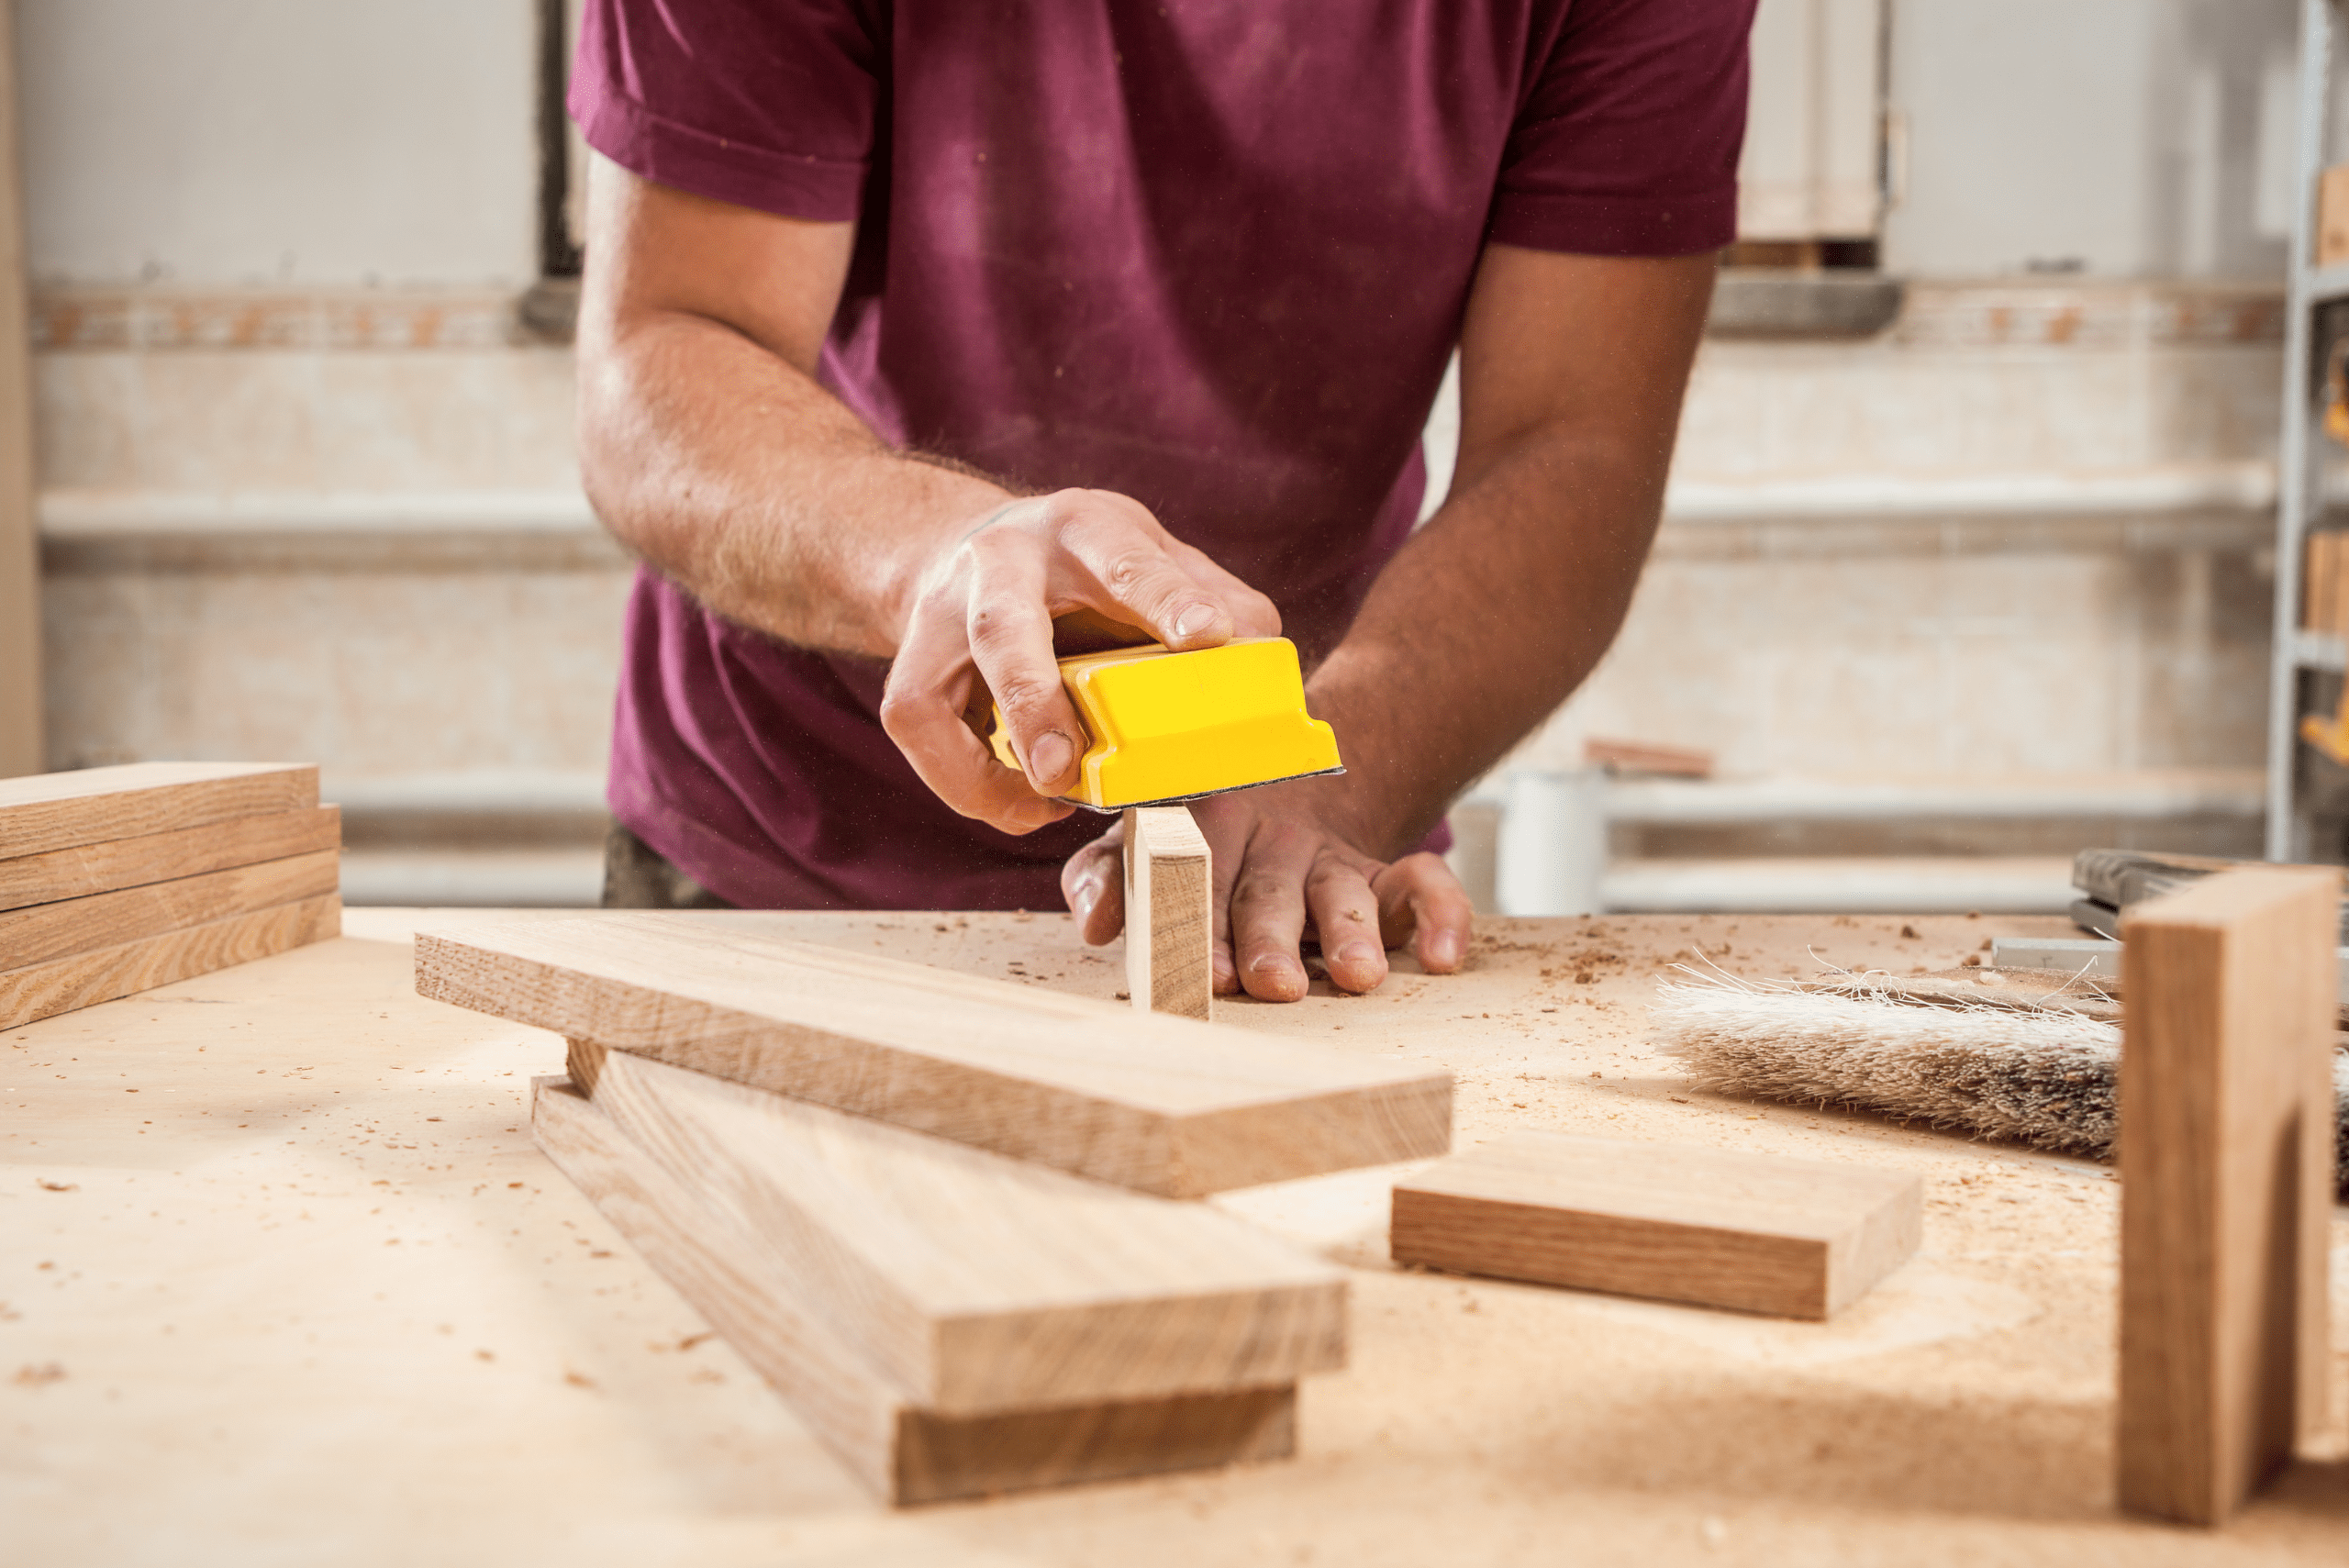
(979, 634)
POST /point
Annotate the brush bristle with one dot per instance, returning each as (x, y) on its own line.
(2042, 1077)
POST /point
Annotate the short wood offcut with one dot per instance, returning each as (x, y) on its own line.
(908, 1454)
(1161, 1104)
(1169, 928)
(2226, 1171)
(1757, 1233)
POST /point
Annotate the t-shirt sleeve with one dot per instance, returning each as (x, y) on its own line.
(765, 104)
(1627, 143)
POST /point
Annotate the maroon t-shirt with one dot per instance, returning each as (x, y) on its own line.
(1211, 255)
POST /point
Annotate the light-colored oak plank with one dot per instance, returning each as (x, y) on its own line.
(2226, 1163)
(46, 931)
(81, 979)
(1756, 1232)
(57, 811)
(1170, 928)
(906, 1453)
(977, 1282)
(1165, 1106)
(118, 863)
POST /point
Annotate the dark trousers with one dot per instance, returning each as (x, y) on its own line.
(637, 876)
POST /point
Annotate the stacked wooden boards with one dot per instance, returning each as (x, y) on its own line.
(870, 1177)
(113, 879)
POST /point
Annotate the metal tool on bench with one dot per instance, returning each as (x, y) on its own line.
(1165, 726)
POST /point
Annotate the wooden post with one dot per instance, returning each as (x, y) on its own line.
(2226, 1169)
(1170, 924)
(21, 744)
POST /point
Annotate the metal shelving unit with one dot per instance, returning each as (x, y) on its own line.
(2298, 656)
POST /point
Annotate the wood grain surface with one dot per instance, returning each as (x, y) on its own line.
(906, 1453)
(61, 985)
(2226, 1193)
(1164, 1106)
(977, 1282)
(45, 931)
(1756, 1232)
(57, 811)
(117, 863)
(1170, 928)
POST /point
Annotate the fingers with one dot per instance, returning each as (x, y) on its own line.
(1345, 913)
(1093, 883)
(1421, 902)
(1252, 614)
(1134, 573)
(1268, 911)
(930, 685)
(1009, 632)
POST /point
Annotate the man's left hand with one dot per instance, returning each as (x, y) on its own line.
(1286, 869)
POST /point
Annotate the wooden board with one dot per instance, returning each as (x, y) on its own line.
(46, 931)
(1164, 1106)
(1756, 1232)
(57, 811)
(118, 863)
(1647, 757)
(2226, 1163)
(40, 990)
(904, 1452)
(1170, 924)
(977, 1282)
(2333, 215)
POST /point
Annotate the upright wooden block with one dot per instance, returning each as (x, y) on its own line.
(1170, 920)
(90, 806)
(1756, 1232)
(978, 1283)
(1164, 1106)
(2226, 1166)
(906, 1453)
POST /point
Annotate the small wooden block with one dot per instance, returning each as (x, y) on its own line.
(60, 985)
(1754, 1232)
(2227, 1128)
(978, 1283)
(1170, 925)
(1161, 1104)
(90, 805)
(45, 931)
(118, 863)
(1647, 757)
(904, 1452)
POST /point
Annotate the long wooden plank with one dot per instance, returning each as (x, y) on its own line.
(906, 1453)
(118, 863)
(1164, 1106)
(57, 811)
(47, 931)
(978, 1282)
(85, 978)
(2226, 1162)
(1754, 1232)
(1170, 927)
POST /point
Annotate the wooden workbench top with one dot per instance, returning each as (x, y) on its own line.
(282, 1279)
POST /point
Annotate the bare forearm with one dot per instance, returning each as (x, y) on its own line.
(1486, 620)
(737, 476)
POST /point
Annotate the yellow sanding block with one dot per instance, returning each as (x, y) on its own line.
(1167, 727)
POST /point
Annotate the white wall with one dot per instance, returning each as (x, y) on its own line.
(303, 143)
(2114, 138)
